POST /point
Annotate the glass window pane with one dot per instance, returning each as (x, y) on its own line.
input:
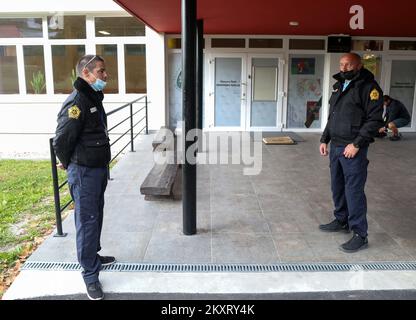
(135, 66)
(265, 43)
(21, 28)
(174, 43)
(403, 78)
(402, 45)
(109, 53)
(305, 91)
(9, 82)
(66, 27)
(34, 69)
(306, 44)
(372, 62)
(119, 27)
(228, 43)
(228, 92)
(64, 61)
(175, 88)
(365, 45)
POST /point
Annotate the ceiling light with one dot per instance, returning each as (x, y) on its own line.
(294, 23)
(106, 33)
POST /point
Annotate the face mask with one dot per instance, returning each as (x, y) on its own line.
(348, 75)
(98, 85)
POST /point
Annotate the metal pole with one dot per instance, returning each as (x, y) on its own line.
(200, 79)
(56, 192)
(131, 128)
(188, 112)
(147, 121)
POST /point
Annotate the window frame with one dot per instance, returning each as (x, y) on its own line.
(89, 43)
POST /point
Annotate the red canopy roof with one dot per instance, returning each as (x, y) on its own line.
(388, 18)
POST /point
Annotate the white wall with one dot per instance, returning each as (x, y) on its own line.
(155, 77)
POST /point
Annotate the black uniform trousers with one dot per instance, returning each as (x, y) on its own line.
(87, 187)
(348, 177)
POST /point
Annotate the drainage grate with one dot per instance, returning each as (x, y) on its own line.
(232, 267)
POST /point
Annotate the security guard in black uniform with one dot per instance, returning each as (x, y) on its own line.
(82, 146)
(355, 115)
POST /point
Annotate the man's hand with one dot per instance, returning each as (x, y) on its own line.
(60, 166)
(350, 151)
(323, 149)
(382, 130)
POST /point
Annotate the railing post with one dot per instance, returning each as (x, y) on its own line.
(56, 191)
(147, 121)
(131, 128)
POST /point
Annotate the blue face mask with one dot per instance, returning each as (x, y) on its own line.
(98, 85)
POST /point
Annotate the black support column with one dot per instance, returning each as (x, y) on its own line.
(200, 71)
(188, 113)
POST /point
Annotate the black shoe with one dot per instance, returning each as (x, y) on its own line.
(335, 226)
(395, 138)
(94, 291)
(106, 260)
(354, 244)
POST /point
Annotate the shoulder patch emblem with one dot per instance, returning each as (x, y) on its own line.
(374, 95)
(74, 112)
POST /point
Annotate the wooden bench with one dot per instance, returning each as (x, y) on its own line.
(161, 178)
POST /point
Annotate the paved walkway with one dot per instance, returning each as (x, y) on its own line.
(268, 218)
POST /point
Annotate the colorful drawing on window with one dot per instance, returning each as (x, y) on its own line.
(303, 66)
(312, 112)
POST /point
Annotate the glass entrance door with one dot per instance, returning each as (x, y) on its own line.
(229, 91)
(241, 100)
(264, 110)
(403, 85)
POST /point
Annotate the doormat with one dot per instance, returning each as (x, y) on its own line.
(270, 134)
(285, 140)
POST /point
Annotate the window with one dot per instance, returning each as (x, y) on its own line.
(306, 74)
(66, 27)
(372, 62)
(9, 82)
(228, 43)
(403, 81)
(174, 43)
(402, 45)
(64, 61)
(119, 27)
(367, 45)
(34, 69)
(135, 66)
(21, 28)
(306, 44)
(109, 53)
(265, 43)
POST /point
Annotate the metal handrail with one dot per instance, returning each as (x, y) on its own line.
(55, 180)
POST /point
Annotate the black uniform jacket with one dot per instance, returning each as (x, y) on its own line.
(355, 114)
(81, 134)
(396, 110)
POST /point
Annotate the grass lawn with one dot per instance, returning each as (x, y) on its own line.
(26, 208)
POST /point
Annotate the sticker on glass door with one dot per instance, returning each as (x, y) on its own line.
(228, 72)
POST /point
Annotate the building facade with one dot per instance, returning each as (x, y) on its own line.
(252, 82)
(40, 44)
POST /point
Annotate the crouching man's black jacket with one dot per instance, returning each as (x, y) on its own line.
(81, 134)
(355, 114)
